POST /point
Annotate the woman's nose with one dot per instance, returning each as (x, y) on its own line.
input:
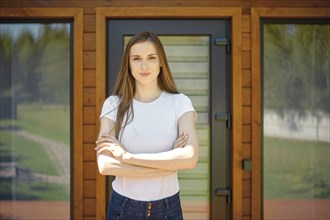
(144, 65)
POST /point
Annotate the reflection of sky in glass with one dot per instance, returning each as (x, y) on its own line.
(15, 29)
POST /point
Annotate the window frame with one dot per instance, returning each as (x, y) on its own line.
(76, 16)
(257, 17)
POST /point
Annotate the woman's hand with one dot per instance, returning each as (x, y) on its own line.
(181, 141)
(107, 143)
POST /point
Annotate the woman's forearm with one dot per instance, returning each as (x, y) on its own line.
(176, 159)
(110, 166)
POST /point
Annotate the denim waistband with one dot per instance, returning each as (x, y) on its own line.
(156, 205)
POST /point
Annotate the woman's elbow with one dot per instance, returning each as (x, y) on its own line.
(192, 162)
(102, 168)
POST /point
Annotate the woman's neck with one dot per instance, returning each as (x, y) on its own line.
(147, 94)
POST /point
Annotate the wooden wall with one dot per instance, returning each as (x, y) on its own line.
(86, 206)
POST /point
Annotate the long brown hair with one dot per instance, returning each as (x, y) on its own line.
(125, 84)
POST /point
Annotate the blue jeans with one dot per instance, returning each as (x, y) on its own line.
(123, 208)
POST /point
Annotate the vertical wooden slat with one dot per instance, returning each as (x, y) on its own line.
(255, 68)
(78, 115)
(236, 91)
(100, 97)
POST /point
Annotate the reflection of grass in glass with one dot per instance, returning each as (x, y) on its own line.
(26, 153)
(296, 169)
(50, 121)
(34, 190)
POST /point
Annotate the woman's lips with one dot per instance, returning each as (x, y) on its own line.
(144, 74)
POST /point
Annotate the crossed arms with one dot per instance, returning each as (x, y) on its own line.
(112, 159)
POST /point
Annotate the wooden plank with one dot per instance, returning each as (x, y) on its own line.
(246, 188)
(90, 5)
(246, 119)
(246, 96)
(246, 60)
(89, 188)
(78, 115)
(246, 41)
(296, 12)
(247, 175)
(89, 218)
(169, 12)
(89, 41)
(43, 13)
(90, 170)
(246, 151)
(236, 140)
(89, 78)
(255, 69)
(89, 97)
(100, 97)
(89, 134)
(246, 24)
(246, 217)
(89, 152)
(89, 207)
(89, 115)
(246, 78)
(89, 23)
(89, 59)
(246, 207)
(246, 133)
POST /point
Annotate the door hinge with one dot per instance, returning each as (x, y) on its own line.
(223, 41)
(224, 192)
(224, 116)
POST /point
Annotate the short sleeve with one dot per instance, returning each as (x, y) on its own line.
(184, 105)
(109, 108)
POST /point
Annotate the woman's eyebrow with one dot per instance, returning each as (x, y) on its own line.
(137, 55)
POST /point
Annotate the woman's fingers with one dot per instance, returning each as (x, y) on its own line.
(106, 138)
(102, 145)
(181, 141)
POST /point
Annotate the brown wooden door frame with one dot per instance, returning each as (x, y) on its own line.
(234, 14)
(256, 15)
(75, 14)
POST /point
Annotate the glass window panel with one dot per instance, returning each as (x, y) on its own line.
(189, 61)
(35, 77)
(296, 123)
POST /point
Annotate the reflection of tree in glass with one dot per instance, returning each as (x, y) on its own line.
(39, 66)
(296, 71)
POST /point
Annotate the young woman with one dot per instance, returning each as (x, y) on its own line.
(147, 133)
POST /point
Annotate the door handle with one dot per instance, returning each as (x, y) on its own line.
(224, 192)
(219, 116)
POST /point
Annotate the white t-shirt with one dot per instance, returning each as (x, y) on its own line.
(153, 129)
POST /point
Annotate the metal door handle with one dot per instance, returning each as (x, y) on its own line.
(224, 192)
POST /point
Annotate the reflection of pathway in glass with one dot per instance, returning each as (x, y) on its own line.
(58, 152)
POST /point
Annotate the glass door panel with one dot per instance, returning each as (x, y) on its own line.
(296, 122)
(35, 81)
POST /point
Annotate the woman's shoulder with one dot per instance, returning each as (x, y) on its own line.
(176, 96)
(112, 100)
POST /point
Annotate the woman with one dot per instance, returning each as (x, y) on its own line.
(147, 133)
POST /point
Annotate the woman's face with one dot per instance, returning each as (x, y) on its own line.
(144, 63)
